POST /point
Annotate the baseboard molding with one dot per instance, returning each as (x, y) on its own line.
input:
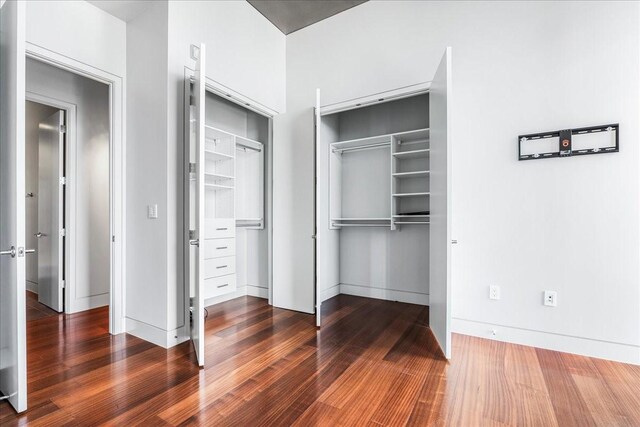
(240, 292)
(330, 293)
(88, 303)
(32, 287)
(384, 294)
(257, 291)
(625, 353)
(155, 335)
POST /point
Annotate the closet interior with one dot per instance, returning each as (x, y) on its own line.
(236, 228)
(373, 201)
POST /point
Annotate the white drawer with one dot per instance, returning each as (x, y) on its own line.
(216, 248)
(219, 228)
(217, 286)
(216, 267)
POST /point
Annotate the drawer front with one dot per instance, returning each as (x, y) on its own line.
(216, 267)
(219, 228)
(217, 286)
(216, 248)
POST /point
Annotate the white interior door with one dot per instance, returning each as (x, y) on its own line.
(13, 351)
(319, 185)
(196, 247)
(50, 211)
(440, 205)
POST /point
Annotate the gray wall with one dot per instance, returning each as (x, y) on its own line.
(92, 176)
(35, 113)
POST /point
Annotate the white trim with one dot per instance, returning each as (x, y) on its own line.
(376, 98)
(384, 294)
(155, 335)
(258, 291)
(32, 287)
(117, 171)
(241, 291)
(625, 353)
(329, 293)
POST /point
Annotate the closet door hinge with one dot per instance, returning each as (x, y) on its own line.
(192, 168)
(63, 129)
(63, 180)
(62, 284)
(63, 232)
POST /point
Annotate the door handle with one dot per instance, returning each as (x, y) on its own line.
(11, 252)
(39, 235)
(29, 251)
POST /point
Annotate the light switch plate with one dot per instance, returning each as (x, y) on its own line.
(152, 211)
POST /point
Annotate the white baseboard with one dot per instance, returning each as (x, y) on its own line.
(257, 291)
(330, 293)
(385, 294)
(155, 335)
(32, 287)
(625, 353)
(88, 303)
(240, 292)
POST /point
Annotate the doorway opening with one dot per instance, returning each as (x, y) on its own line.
(68, 202)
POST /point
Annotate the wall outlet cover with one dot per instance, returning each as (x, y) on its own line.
(551, 298)
(494, 292)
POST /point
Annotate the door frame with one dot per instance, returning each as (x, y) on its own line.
(117, 174)
(69, 199)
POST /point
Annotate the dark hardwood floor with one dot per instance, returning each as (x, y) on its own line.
(35, 310)
(374, 363)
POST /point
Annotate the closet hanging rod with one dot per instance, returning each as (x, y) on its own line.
(360, 225)
(239, 144)
(362, 147)
(415, 141)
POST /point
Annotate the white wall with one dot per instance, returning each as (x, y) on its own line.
(35, 113)
(518, 67)
(78, 30)
(91, 225)
(246, 54)
(146, 294)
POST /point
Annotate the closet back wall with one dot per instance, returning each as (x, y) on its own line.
(517, 67)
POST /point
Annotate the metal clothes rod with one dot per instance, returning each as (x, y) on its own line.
(361, 225)
(415, 141)
(363, 147)
(249, 147)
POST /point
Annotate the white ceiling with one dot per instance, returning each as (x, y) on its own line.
(123, 9)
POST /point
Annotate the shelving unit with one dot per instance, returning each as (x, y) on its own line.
(407, 178)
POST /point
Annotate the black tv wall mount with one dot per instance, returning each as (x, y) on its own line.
(569, 142)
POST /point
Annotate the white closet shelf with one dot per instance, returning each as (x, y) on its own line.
(413, 154)
(215, 156)
(411, 216)
(412, 136)
(411, 222)
(360, 219)
(218, 187)
(416, 174)
(210, 130)
(218, 176)
(410, 194)
(372, 141)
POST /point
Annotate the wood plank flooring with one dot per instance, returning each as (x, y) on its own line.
(374, 363)
(35, 310)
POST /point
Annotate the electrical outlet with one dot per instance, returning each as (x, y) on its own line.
(152, 211)
(494, 292)
(551, 298)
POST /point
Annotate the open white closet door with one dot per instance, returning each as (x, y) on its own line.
(440, 205)
(197, 202)
(13, 349)
(318, 203)
(50, 211)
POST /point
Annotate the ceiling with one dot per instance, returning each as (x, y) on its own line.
(123, 9)
(293, 15)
